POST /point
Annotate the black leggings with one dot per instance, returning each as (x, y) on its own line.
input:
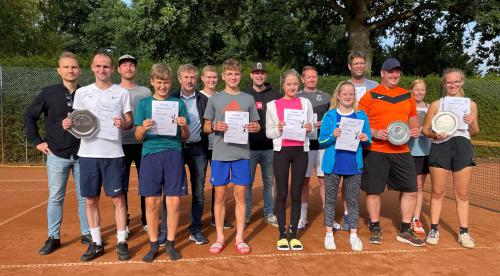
(297, 158)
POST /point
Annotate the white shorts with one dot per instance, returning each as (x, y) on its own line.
(315, 161)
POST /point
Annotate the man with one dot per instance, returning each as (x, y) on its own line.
(55, 102)
(195, 147)
(356, 62)
(101, 156)
(230, 161)
(321, 103)
(209, 79)
(385, 163)
(261, 148)
(357, 65)
(131, 147)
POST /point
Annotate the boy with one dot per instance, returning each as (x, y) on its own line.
(162, 166)
(230, 161)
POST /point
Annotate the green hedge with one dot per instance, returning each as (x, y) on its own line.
(20, 85)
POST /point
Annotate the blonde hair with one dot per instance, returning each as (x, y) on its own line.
(448, 71)
(334, 102)
(415, 82)
(287, 73)
(208, 68)
(161, 71)
(67, 54)
(231, 64)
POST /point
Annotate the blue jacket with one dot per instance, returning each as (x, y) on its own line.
(327, 140)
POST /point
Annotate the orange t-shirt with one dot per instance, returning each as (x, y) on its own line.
(384, 106)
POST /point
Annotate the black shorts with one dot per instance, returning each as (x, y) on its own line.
(421, 164)
(454, 154)
(396, 170)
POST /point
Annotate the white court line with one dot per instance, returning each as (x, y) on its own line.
(22, 213)
(22, 180)
(282, 255)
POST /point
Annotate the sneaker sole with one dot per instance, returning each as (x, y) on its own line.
(431, 242)
(398, 238)
(283, 249)
(297, 249)
(93, 258)
(197, 242)
(330, 248)
(124, 258)
(375, 242)
(465, 246)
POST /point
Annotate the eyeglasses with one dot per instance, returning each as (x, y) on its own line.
(451, 83)
(69, 100)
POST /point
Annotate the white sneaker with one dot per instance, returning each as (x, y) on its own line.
(433, 237)
(356, 244)
(330, 242)
(336, 226)
(466, 240)
(302, 224)
(127, 232)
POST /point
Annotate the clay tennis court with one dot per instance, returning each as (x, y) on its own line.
(23, 229)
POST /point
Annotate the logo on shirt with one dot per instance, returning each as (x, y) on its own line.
(259, 105)
(232, 106)
(319, 98)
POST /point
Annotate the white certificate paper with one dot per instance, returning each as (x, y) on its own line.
(164, 114)
(349, 137)
(360, 92)
(105, 114)
(294, 124)
(313, 135)
(237, 132)
(459, 106)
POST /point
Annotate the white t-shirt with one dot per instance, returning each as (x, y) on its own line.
(89, 97)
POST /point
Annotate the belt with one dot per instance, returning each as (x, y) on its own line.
(192, 145)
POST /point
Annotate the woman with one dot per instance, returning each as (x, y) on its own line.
(341, 164)
(419, 149)
(451, 153)
(289, 153)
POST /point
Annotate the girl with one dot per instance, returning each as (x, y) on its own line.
(419, 148)
(451, 153)
(288, 153)
(344, 164)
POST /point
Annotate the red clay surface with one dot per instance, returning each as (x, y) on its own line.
(23, 229)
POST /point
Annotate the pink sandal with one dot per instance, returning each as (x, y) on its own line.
(242, 247)
(217, 247)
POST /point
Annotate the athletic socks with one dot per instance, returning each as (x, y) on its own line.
(434, 227)
(96, 235)
(172, 253)
(464, 230)
(121, 235)
(404, 227)
(303, 211)
(153, 251)
(374, 224)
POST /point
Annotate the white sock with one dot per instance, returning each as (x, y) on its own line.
(303, 212)
(96, 235)
(353, 235)
(121, 235)
(329, 234)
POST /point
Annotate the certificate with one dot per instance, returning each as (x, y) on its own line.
(459, 106)
(236, 132)
(313, 135)
(294, 124)
(164, 114)
(105, 113)
(349, 137)
(360, 92)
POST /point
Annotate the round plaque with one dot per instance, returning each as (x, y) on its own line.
(445, 122)
(398, 133)
(84, 124)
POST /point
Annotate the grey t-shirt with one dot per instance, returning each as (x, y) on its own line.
(136, 94)
(217, 105)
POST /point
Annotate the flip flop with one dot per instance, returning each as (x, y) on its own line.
(242, 247)
(217, 247)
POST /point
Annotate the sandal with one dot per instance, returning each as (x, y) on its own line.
(295, 244)
(282, 245)
(242, 247)
(217, 247)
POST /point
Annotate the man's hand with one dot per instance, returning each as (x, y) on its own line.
(253, 127)
(181, 121)
(147, 124)
(43, 147)
(117, 122)
(220, 126)
(380, 134)
(67, 123)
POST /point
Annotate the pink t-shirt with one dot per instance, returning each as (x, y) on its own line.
(281, 105)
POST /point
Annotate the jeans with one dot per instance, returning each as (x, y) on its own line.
(195, 159)
(58, 170)
(265, 159)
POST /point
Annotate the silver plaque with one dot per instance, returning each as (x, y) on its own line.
(84, 124)
(445, 122)
(398, 133)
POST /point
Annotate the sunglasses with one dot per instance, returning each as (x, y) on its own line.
(69, 100)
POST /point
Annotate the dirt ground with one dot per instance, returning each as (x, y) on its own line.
(23, 229)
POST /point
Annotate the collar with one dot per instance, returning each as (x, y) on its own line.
(187, 97)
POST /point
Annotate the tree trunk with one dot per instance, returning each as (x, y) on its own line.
(359, 40)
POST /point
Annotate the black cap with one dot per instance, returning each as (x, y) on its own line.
(390, 64)
(127, 58)
(259, 66)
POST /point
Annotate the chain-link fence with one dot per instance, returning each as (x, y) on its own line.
(18, 87)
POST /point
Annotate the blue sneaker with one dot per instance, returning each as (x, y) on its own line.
(198, 238)
(345, 226)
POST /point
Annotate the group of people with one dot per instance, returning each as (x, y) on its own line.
(289, 136)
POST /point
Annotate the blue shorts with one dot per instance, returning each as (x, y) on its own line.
(224, 172)
(108, 172)
(163, 173)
